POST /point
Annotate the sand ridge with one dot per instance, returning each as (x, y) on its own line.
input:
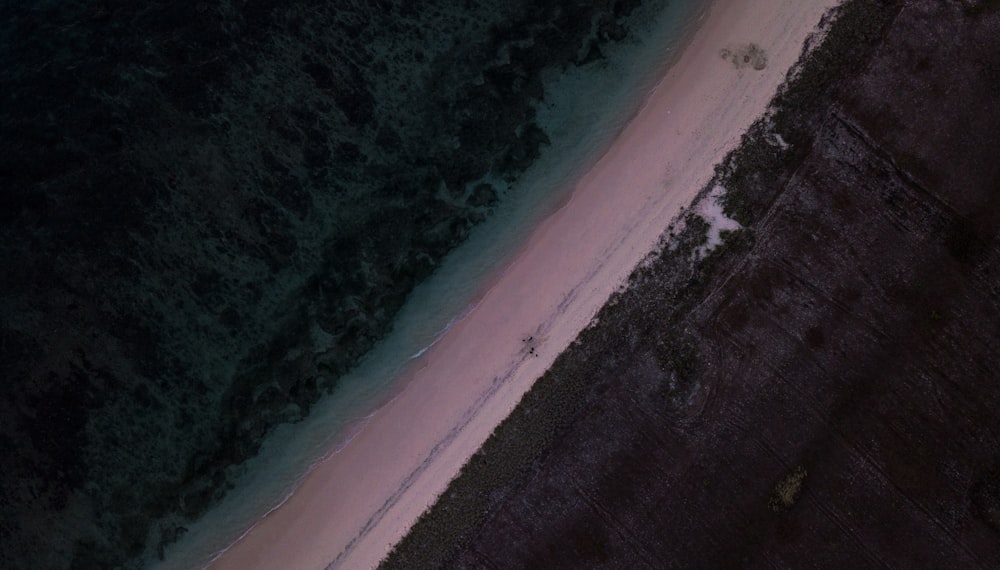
(350, 509)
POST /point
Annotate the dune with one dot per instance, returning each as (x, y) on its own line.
(354, 506)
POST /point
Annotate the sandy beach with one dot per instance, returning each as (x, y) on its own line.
(351, 508)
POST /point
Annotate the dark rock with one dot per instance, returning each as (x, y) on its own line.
(483, 196)
(387, 138)
(525, 150)
(349, 152)
(353, 97)
(593, 53)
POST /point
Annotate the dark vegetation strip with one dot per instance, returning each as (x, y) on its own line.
(658, 294)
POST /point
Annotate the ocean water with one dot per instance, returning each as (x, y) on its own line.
(582, 110)
(226, 227)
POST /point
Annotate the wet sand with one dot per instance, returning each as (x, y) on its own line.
(351, 508)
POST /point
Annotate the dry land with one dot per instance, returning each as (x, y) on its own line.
(821, 389)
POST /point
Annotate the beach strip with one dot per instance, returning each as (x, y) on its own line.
(353, 507)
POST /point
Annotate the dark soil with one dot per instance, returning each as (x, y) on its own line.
(821, 391)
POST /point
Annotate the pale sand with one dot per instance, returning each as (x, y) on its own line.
(355, 505)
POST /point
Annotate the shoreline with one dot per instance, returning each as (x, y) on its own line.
(610, 232)
(578, 137)
(680, 428)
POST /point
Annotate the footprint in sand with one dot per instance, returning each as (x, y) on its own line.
(745, 55)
